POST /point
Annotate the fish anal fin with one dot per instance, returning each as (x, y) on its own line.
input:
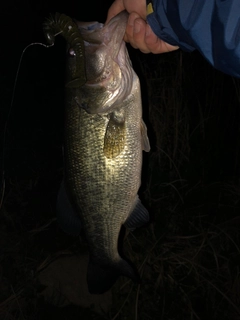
(138, 217)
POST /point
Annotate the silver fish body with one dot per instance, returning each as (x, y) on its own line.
(104, 139)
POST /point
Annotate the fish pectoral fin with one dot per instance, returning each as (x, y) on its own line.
(115, 136)
(145, 140)
(138, 217)
(67, 217)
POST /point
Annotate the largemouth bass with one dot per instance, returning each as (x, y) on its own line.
(104, 139)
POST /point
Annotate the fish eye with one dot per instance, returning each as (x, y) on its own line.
(72, 52)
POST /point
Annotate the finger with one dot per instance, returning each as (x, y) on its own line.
(135, 32)
(139, 32)
(115, 8)
(156, 45)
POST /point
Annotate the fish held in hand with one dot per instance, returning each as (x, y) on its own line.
(104, 139)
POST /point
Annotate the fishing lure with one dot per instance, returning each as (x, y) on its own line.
(64, 25)
(54, 25)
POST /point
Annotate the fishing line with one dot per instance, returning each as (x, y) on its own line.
(2, 187)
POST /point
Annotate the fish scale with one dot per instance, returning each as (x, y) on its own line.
(92, 176)
(103, 142)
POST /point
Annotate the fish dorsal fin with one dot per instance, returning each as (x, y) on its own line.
(138, 217)
(115, 135)
(67, 217)
(145, 140)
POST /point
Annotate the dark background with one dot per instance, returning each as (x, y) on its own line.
(190, 177)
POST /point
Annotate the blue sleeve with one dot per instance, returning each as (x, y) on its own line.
(210, 26)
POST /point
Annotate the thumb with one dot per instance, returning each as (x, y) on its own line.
(115, 8)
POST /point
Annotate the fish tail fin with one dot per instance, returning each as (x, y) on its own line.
(101, 278)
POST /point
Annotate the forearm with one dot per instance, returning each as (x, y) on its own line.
(210, 26)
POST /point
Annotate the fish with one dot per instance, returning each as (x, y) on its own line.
(104, 140)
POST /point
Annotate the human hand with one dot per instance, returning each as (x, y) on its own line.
(138, 33)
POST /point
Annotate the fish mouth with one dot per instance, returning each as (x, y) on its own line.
(108, 67)
(92, 32)
(110, 35)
